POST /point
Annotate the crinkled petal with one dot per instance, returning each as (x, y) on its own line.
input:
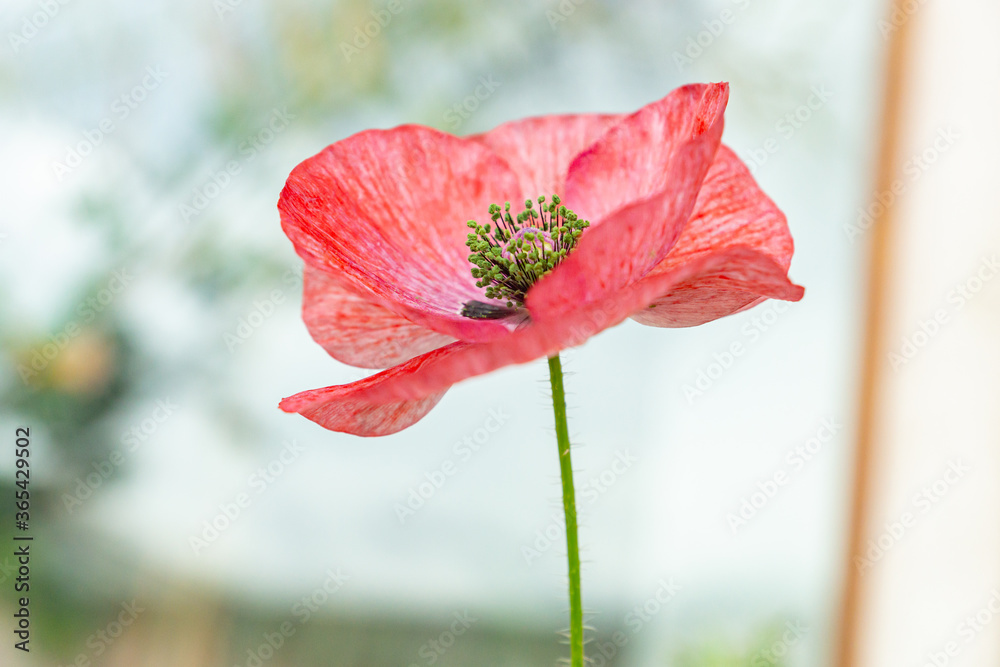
(398, 397)
(385, 211)
(335, 409)
(347, 408)
(445, 367)
(730, 289)
(731, 211)
(693, 304)
(540, 149)
(356, 330)
(638, 184)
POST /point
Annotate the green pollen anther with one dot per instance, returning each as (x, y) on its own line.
(510, 255)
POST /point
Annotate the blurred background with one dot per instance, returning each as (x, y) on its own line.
(149, 319)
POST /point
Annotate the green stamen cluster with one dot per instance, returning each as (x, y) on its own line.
(510, 255)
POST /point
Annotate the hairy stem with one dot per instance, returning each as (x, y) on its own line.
(569, 508)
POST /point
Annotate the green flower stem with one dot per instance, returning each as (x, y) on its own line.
(569, 507)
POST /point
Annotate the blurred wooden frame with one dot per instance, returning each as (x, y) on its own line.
(922, 583)
(874, 336)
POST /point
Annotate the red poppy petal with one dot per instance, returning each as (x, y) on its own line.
(634, 159)
(440, 369)
(398, 397)
(385, 211)
(358, 331)
(731, 289)
(541, 149)
(731, 211)
(334, 408)
(639, 182)
(693, 304)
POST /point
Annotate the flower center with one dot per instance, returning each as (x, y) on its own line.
(510, 255)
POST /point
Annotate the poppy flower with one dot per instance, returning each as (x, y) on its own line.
(653, 219)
